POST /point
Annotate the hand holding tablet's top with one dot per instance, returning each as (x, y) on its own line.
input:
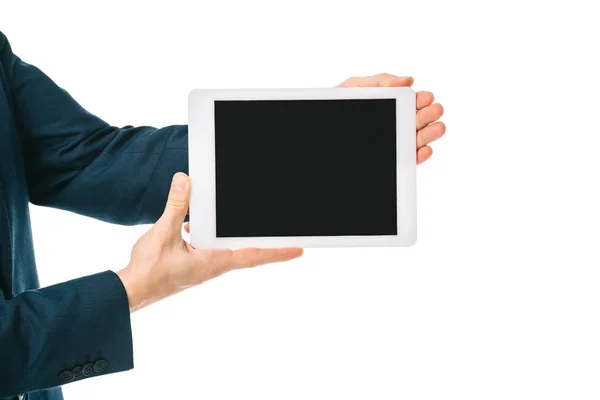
(332, 167)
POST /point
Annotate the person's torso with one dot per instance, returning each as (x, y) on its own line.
(17, 262)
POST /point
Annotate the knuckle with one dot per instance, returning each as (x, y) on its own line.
(227, 254)
(176, 202)
(256, 255)
(161, 241)
(420, 118)
(160, 231)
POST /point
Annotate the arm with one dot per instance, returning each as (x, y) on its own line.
(77, 162)
(50, 336)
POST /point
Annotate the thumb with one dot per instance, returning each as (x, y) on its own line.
(177, 202)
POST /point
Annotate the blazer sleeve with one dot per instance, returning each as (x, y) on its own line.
(77, 162)
(64, 333)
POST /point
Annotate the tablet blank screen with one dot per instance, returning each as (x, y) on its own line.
(305, 167)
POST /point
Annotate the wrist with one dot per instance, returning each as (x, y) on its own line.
(134, 289)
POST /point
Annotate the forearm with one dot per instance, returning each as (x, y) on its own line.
(48, 336)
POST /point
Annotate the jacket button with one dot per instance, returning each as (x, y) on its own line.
(100, 365)
(66, 376)
(77, 371)
(88, 369)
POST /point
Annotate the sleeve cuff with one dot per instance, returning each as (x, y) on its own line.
(96, 336)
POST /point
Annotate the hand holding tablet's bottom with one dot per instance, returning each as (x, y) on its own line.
(162, 263)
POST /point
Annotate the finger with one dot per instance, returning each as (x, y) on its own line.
(400, 81)
(379, 80)
(430, 133)
(423, 154)
(186, 227)
(428, 115)
(424, 99)
(251, 257)
(177, 203)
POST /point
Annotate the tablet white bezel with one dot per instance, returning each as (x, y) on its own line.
(202, 167)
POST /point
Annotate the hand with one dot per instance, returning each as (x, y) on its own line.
(162, 263)
(428, 130)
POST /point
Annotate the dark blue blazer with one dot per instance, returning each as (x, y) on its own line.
(54, 153)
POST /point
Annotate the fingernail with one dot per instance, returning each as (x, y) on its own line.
(179, 181)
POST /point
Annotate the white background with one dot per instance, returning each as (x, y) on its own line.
(499, 298)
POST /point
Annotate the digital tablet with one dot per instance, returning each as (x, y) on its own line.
(331, 167)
